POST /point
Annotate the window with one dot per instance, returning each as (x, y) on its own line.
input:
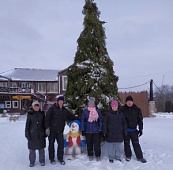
(7, 104)
(14, 84)
(15, 104)
(3, 84)
(52, 87)
(41, 87)
(2, 105)
(64, 82)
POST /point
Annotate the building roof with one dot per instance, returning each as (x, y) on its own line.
(28, 74)
(61, 71)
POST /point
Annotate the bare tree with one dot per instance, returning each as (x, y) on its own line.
(164, 98)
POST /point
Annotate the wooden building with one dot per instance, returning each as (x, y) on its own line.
(20, 86)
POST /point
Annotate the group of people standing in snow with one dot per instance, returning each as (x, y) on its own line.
(119, 126)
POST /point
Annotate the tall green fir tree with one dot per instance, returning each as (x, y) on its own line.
(91, 74)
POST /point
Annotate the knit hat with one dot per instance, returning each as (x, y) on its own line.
(114, 103)
(35, 103)
(91, 101)
(129, 98)
(60, 98)
(76, 121)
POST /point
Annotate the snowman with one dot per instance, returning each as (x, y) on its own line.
(74, 142)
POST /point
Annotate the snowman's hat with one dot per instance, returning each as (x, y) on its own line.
(76, 121)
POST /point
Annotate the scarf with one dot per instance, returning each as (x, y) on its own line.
(93, 115)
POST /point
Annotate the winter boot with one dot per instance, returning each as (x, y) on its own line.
(128, 159)
(42, 163)
(111, 160)
(142, 160)
(98, 159)
(90, 158)
(31, 165)
(52, 162)
(62, 162)
(118, 159)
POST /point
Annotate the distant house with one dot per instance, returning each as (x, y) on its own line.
(20, 86)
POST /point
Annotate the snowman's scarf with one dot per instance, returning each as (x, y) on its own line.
(74, 134)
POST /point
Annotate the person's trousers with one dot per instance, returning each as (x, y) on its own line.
(133, 137)
(32, 156)
(60, 150)
(93, 143)
(115, 150)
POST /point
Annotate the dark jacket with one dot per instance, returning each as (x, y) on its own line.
(133, 116)
(91, 127)
(35, 130)
(114, 126)
(56, 118)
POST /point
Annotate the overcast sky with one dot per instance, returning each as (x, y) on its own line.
(43, 34)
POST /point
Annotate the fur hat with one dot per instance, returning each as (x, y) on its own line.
(129, 98)
(60, 98)
(76, 121)
(35, 103)
(114, 103)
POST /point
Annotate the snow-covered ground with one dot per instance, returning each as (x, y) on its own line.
(156, 143)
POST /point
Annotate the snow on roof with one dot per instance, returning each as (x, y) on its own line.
(28, 74)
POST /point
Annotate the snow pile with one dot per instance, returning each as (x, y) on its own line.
(156, 144)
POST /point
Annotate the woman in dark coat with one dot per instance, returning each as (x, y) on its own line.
(35, 134)
(114, 128)
(91, 127)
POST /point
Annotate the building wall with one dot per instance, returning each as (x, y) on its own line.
(61, 75)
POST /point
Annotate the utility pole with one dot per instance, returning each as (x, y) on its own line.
(151, 90)
(152, 108)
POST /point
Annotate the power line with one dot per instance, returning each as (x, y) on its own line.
(157, 87)
(135, 86)
(147, 75)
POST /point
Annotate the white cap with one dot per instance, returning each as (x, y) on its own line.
(35, 103)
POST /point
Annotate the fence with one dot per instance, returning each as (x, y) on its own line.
(139, 98)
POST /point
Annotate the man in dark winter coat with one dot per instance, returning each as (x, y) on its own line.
(35, 134)
(134, 119)
(56, 117)
(114, 128)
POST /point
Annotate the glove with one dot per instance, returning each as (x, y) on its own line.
(140, 133)
(48, 131)
(83, 133)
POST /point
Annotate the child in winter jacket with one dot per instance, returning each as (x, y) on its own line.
(114, 128)
(35, 134)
